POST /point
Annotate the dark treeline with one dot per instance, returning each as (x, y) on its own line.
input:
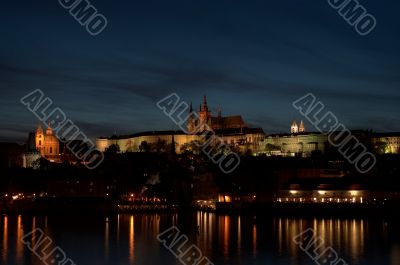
(171, 176)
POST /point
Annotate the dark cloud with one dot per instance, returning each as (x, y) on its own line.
(251, 58)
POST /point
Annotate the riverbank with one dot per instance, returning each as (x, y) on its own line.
(94, 206)
(80, 205)
(389, 209)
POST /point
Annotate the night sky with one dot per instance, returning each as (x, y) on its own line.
(252, 57)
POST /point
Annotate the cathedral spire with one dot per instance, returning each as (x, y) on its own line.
(205, 107)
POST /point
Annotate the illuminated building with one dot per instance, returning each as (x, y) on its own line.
(232, 130)
(47, 144)
(387, 143)
(205, 119)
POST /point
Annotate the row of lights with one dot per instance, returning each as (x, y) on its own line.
(323, 192)
(323, 200)
(18, 196)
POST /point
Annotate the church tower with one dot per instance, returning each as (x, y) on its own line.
(294, 128)
(204, 115)
(302, 129)
(39, 139)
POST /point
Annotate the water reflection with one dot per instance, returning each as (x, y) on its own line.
(254, 241)
(18, 242)
(5, 239)
(132, 240)
(240, 240)
(346, 236)
(107, 239)
(239, 233)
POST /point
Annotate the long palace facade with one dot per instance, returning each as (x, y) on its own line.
(235, 132)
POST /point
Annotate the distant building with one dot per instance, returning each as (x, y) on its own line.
(30, 160)
(215, 123)
(334, 193)
(31, 155)
(294, 128)
(235, 132)
(41, 145)
(231, 129)
(302, 128)
(387, 143)
(47, 144)
(297, 128)
(292, 144)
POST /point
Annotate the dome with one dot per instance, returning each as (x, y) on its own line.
(50, 138)
(49, 131)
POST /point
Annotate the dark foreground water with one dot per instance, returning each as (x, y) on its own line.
(131, 239)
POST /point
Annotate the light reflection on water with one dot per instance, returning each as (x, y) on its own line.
(241, 240)
(4, 250)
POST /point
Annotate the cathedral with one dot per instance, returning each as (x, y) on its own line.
(204, 119)
(231, 129)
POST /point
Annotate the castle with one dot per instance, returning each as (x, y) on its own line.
(236, 133)
(231, 129)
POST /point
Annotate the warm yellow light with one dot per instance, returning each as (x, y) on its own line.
(353, 193)
(293, 192)
(321, 192)
(227, 198)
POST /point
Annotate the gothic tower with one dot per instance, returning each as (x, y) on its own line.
(204, 115)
